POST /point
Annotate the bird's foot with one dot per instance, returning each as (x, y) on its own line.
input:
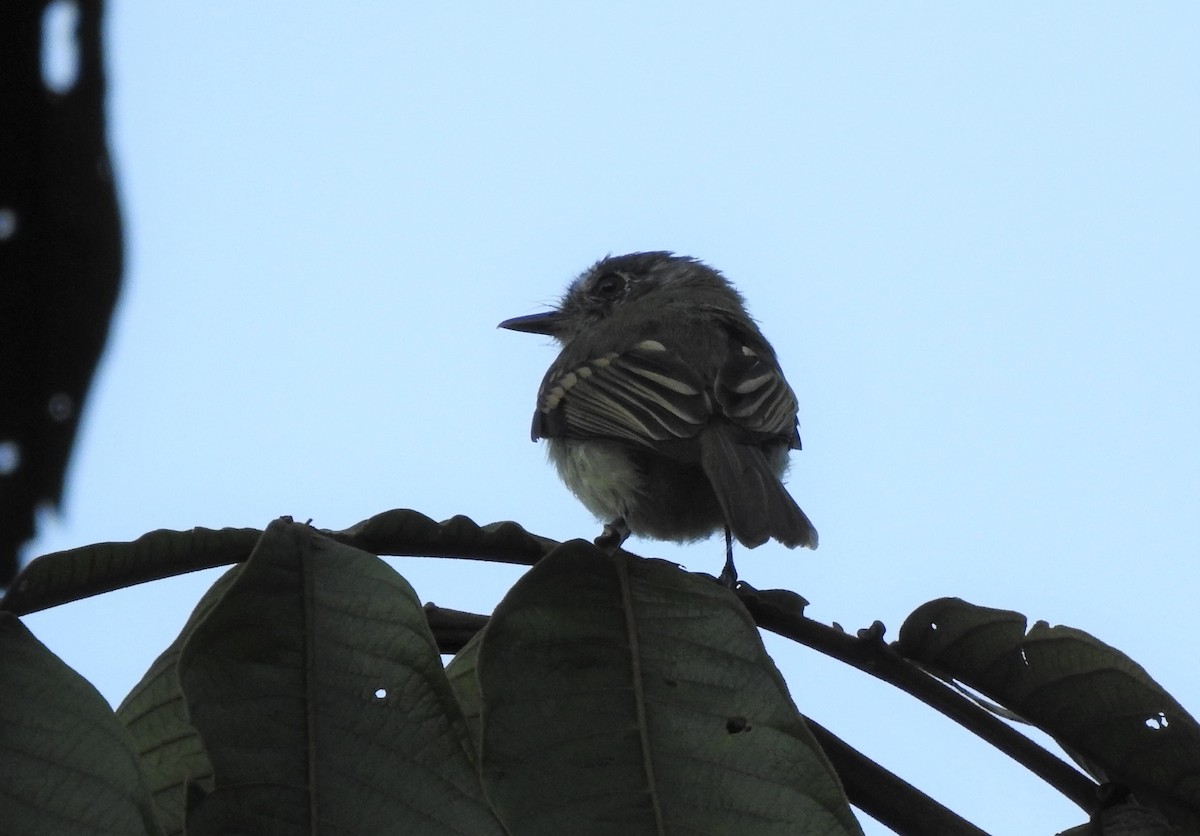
(615, 533)
(728, 576)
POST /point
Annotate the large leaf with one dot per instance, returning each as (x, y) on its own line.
(625, 696)
(54, 579)
(172, 753)
(463, 673)
(66, 764)
(320, 696)
(1097, 702)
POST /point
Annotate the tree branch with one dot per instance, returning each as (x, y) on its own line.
(885, 796)
(773, 611)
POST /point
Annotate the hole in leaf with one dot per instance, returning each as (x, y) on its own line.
(380, 693)
(737, 725)
(60, 406)
(10, 457)
(8, 223)
(1157, 723)
(60, 45)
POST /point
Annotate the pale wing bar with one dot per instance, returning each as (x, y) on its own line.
(645, 395)
(754, 394)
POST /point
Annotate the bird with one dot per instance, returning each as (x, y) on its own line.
(666, 411)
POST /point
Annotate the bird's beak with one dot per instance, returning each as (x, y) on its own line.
(547, 323)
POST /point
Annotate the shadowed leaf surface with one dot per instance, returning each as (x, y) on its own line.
(1096, 701)
(154, 712)
(626, 696)
(60, 259)
(320, 696)
(66, 764)
(463, 673)
(1128, 820)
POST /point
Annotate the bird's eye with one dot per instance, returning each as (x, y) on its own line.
(610, 285)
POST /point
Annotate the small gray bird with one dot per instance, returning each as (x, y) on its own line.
(666, 412)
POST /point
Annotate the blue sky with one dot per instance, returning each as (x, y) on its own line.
(970, 232)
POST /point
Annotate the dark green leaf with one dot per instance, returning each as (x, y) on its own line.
(66, 764)
(1096, 701)
(321, 699)
(463, 674)
(625, 696)
(172, 753)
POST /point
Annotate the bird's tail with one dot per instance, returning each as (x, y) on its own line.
(757, 506)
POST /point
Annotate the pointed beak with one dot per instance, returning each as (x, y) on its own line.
(547, 323)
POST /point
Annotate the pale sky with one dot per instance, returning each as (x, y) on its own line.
(970, 232)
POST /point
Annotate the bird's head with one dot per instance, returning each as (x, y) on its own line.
(615, 284)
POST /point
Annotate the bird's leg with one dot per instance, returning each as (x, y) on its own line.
(615, 533)
(729, 574)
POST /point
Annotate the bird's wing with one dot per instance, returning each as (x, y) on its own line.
(752, 392)
(645, 395)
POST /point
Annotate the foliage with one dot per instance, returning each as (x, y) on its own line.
(607, 694)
